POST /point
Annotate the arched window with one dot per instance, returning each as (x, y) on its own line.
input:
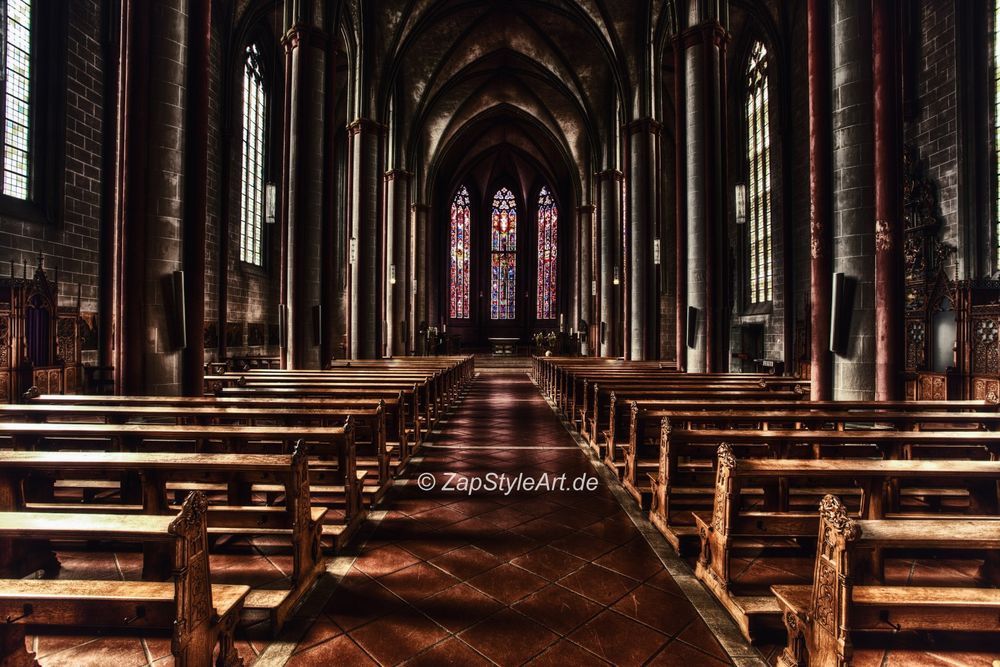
(548, 228)
(461, 246)
(503, 256)
(252, 175)
(16, 105)
(759, 182)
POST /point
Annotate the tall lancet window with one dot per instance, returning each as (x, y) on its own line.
(252, 175)
(17, 85)
(461, 248)
(548, 228)
(503, 257)
(759, 182)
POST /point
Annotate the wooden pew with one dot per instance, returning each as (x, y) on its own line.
(26, 477)
(417, 416)
(738, 524)
(598, 418)
(638, 420)
(825, 620)
(200, 616)
(333, 470)
(393, 407)
(684, 476)
(383, 460)
(638, 455)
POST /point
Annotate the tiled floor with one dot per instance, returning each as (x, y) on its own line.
(542, 578)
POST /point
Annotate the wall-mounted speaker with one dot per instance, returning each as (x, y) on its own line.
(841, 303)
(692, 326)
(176, 312)
(283, 325)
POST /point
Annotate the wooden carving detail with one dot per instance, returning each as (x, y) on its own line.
(985, 351)
(924, 257)
(720, 507)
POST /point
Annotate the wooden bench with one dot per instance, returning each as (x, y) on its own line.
(200, 616)
(598, 417)
(637, 454)
(381, 460)
(823, 621)
(684, 477)
(26, 482)
(393, 408)
(738, 524)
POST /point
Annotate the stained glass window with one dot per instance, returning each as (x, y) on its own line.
(17, 102)
(252, 180)
(503, 256)
(461, 246)
(759, 186)
(548, 227)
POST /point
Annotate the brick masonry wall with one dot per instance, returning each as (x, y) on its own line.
(935, 131)
(799, 215)
(771, 324)
(71, 243)
(252, 292)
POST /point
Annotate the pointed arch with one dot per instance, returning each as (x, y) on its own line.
(253, 160)
(503, 256)
(548, 249)
(760, 267)
(460, 251)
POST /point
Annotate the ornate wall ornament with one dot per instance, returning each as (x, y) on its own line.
(986, 332)
(883, 236)
(815, 236)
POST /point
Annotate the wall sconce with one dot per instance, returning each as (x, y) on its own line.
(392, 274)
(616, 280)
(740, 200)
(270, 203)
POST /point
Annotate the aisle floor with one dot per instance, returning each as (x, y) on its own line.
(549, 577)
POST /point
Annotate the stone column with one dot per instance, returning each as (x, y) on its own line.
(643, 216)
(396, 284)
(419, 268)
(609, 183)
(149, 166)
(888, 221)
(585, 224)
(196, 186)
(303, 198)
(705, 195)
(365, 153)
(820, 241)
(853, 197)
(680, 210)
(331, 288)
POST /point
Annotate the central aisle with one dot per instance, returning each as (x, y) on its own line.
(544, 577)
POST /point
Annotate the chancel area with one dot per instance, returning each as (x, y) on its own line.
(499, 332)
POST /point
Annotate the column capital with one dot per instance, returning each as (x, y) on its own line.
(302, 34)
(365, 126)
(400, 174)
(586, 209)
(712, 31)
(644, 125)
(609, 174)
(420, 208)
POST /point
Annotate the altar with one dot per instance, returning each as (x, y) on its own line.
(503, 347)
